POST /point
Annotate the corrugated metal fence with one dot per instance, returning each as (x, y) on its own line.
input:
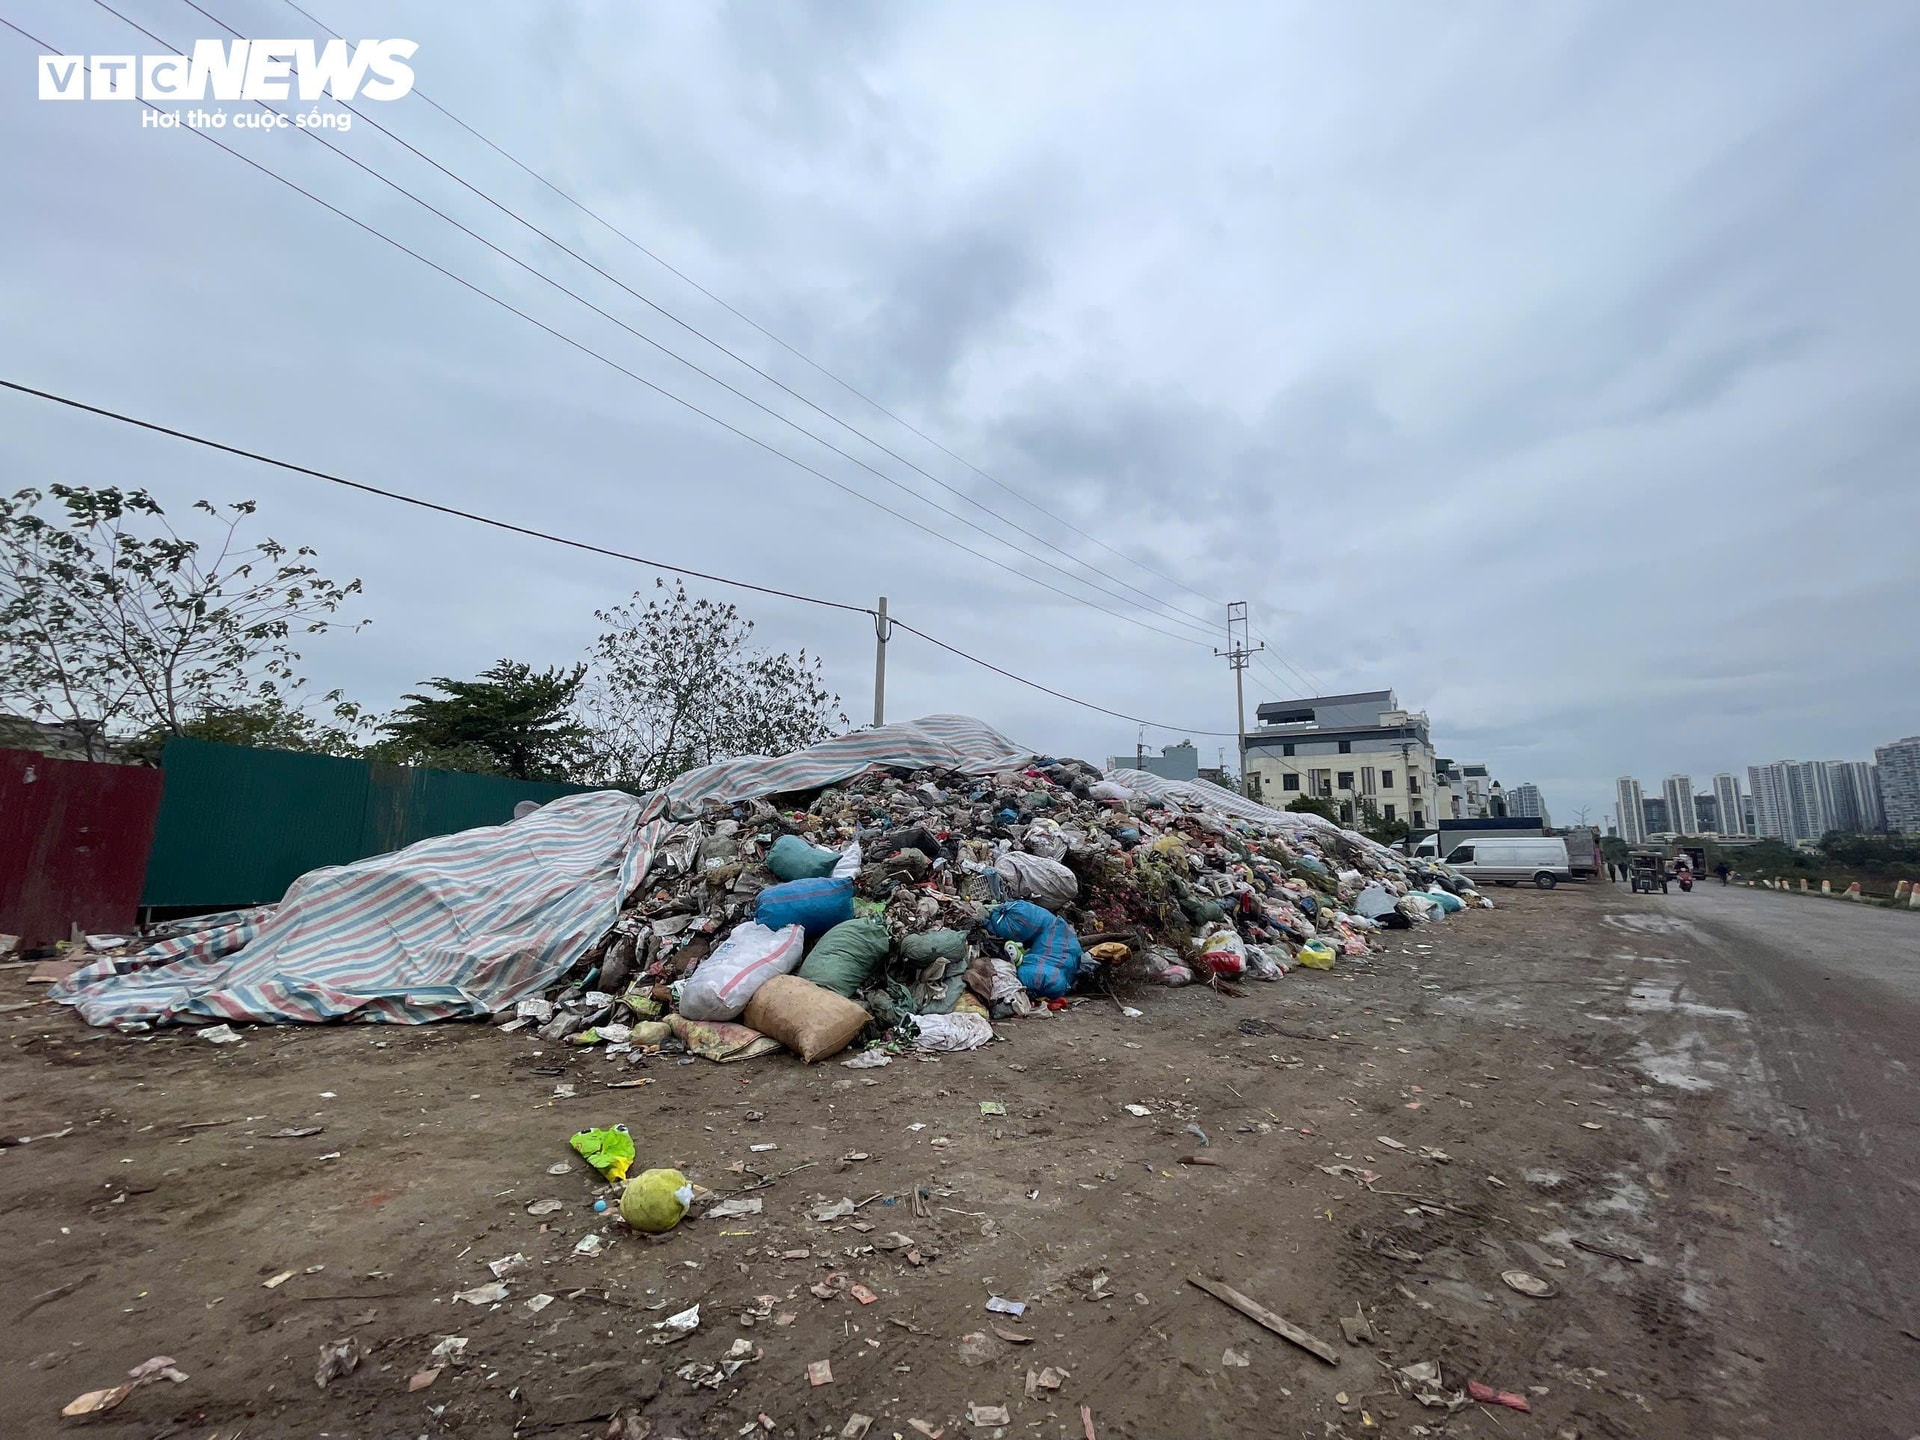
(73, 844)
(238, 825)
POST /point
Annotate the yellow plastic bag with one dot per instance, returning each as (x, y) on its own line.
(1315, 955)
(656, 1200)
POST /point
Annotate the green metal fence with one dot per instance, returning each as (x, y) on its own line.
(238, 825)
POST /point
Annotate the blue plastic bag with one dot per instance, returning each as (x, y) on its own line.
(814, 905)
(1052, 960)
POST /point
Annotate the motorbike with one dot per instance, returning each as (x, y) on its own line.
(1685, 878)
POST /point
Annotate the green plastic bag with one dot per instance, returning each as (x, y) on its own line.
(792, 858)
(608, 1151)
(920, 951)
(846, 955)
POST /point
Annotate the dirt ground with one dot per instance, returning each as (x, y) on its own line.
(153, 1205)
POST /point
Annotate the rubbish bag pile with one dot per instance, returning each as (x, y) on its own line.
(920, 907)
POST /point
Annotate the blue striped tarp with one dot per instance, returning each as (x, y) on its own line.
(457, 926)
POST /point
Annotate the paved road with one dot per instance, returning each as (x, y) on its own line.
(1831, 995)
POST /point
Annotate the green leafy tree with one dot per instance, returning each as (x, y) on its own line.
(1387, 832)
(115, 624)
(272, 724)
(676, 684)
(512, 720)
(1312, 805)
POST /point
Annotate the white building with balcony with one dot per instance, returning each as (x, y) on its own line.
(1353, 750)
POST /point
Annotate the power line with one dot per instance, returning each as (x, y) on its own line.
(1158, 603)
(416, 501)
(1045, 690)
(798, 354)
(401, 497)
(697, 369)
(630, 374)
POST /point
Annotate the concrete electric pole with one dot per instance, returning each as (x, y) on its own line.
(882, 632)
(1237, 655)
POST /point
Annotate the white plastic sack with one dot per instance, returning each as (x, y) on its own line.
(1047, 883)
(1046, 839)
(951, 1032)
(1110, 790)
(724, 982)
(1263, 964)
(1223, 951)
(1007, 988)
(848, 865)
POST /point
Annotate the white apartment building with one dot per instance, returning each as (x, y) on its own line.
(1526, 802)
(1351, 749)
(1730, 804)
(1630, 815)
(1677, 790)
(1899, 775)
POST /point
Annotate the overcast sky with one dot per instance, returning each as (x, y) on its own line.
(1555, 366)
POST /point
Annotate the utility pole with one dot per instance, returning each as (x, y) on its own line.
(1237, 655)
(882, 632)
(1140, 749)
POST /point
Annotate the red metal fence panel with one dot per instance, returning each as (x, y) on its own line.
(74, 838)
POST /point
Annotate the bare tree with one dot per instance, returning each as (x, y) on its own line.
(114, 623)
(675, 684)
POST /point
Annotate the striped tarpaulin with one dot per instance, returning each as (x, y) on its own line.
(453, 927)
(934, 742)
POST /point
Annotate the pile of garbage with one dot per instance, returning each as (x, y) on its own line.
(920, 907)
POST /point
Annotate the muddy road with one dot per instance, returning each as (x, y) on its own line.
(1691, 1116)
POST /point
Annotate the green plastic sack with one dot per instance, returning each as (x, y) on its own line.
(608, 1151)
(792, 858)
(847, 954)
(920, 951)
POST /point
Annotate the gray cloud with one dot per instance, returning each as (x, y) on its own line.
(1555, 367)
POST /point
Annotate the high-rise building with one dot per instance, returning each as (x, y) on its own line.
(1855, 787)
(1747, 822)
(1729, 810)
(1627, 810)
(1899, 767)
(1653, 815)
(1526, 802)
(1706, 813)
(1793, 800)
(1677, 791)
(1809, 799)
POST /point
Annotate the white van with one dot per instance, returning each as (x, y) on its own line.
(1541, 859)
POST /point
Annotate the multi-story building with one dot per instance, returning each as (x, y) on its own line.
(1793, 800)
(1728, 805)
(1653, 816)
(1677, 791)
(1747, 822)
(1478, 791)
(1771, 815)
(1175, 762)
(1629, 810)
(1809, 799)
(1899, 767)
(1355, 750)
(1706, 813)
(1855, 787)
(1526, 802)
